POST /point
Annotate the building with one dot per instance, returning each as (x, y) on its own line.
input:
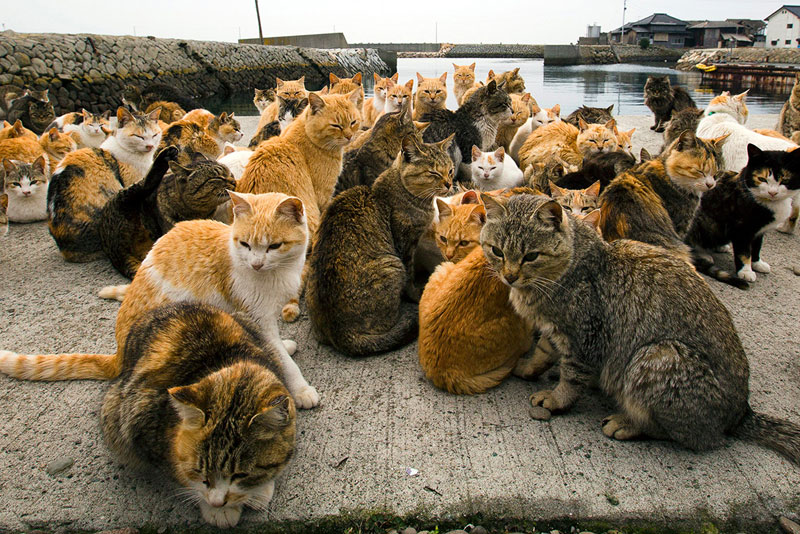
(783, 28)
(659, 28)
(720, 34)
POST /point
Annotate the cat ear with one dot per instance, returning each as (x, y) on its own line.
(717, 142)
(686, 140)
(443, 208)
(491, 87)
(86, 114)
(472, 67)
(324, 91)
(593, 219)
(555, 190)
(241, 206)
(53, 134)
(410, 84)
(476, 153)
(123, 116)
(455, 67)
(187, 402)
(551, 214)
(556, 109)
(315, 103)
(515, 71)
(153, 115)
(8, 166)
(629, 133)
(275, 417)
(644, 155)
(302, 81)
(478, 214)
(741, 97)
(357, 79)
(278, 83)
(354, 96)
(223, 117)
(445, 143)
(443, 77)
(495, 206)
(6, 124)
(376, 77)
(333, 79)
(421, 126)
(753, 152)
(611, 125)
(593, 190)
(470, 197)
(106, 114)
(420, 78)
(177, 168)
(410, 148)
(394, 77)
(489, 75)
(610, 109)
(291, 208)
(582, 123)
(527, 97)
(500, 154)
(40, 165)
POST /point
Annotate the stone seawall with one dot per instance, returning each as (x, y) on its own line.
(90, 71)
(691, 58)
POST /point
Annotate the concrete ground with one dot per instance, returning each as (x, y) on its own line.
(474, 455)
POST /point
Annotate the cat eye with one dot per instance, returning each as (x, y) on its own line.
(245, 244)
(530, 256)
(353, 123)
(463, 243)
(275, 246)
(336, 126)
(139, 136)
(443, 238)
(497, 252)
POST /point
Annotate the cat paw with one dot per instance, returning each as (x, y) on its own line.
(223, 516)
(306, 398)
(618, 426)
(761, 266)
(291, 311)
(545, 399)
(291, 346)
(747, 274)
(787, 227)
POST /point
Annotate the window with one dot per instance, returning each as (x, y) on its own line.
(661, 37)
(775, 42)
(788, 26)
(788, 41)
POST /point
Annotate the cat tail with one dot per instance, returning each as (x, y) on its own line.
(113, 292)
(779, 435)
(152, 179)
(403, 332)
(59, 366)
(707, 267)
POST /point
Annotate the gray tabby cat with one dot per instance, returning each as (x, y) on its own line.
(789, 121)
(680, 373)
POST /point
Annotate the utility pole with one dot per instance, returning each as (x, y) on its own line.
(622, 29)
(260, 33)
(437, 32)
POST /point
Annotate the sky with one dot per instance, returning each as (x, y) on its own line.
(468, 21)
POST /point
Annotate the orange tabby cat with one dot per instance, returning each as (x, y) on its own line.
(289, 90)
(624, 140)
(170, 111)
(463, 80)
(374, 106)
(57, 145)
(305, 161)
(10, 131)
(345, 86)
(431, 94)
(398, 95)
(520, 112)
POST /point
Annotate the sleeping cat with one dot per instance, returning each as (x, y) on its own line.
(493, 170)
(681, 374)
(398, 95)
(91, 129)
(474, 123)
(463, 80)
(663, 100)
(170, 111)
(374, 106)
(53, 144)
(138, 215)
(203, 400)
(263, 98)
(590, 115)
(539, 117)
(431, 95)
(743, 207)
(87, 178)
(11, 131)
(26, 186)
(360, 266)
(577, 202)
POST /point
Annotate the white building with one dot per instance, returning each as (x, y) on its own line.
(783, 28)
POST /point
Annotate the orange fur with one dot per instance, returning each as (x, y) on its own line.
(463, 80)
(290, 90)
(10, 131)
(520, 112)
(382, 86)
(431, 94)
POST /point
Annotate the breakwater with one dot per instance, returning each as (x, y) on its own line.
(91, 71)
(762, 56)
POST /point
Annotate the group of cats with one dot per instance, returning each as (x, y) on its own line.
(371, 207)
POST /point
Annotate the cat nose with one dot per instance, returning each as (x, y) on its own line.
(511, 278)
(771, 193)
(217, 498)
(710, 183)
(148, 147)
(256, 265)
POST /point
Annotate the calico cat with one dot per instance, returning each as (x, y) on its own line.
(191, 136)
(493, 170)
(288, 110)
(539, 117)
(3, 214)
(431, 95)
(12, 131)
(160, 91)
(577, 202)
(288, 90)
(138, 215)
(363, 166)
(90, 129)
(26, 186)
(374, 106)
(520, 113)
(398, 95)
(726, 115)
(656, 201)
(361, 264)
(263, 98)
(224, 128)
(681, 374)
(743, 207)
(663, 100)
(203, 399)
(513, 81)
(789, 119)
(590, 115)
(602, 167)
(463, 80)
(87, 178)
(34, 109)
(474, 123)
(681, 121)
(457, 226)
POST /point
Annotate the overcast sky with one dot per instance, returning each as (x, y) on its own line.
(507, 21)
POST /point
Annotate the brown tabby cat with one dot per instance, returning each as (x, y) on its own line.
(577, 202)
(463, 80)
(789, 119)
(204, 400)
(431, 94)
(263, 98)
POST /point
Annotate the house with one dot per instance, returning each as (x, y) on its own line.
(720, 34)
(659, 28)
(783, 28)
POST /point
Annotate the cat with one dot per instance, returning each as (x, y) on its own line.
(138, 215)
(12, 131)
(160, 91)
(680, 374)
(457, 226)
(602, 167)
(577, 202)
(493, 170)
(91, 129)
(263, 98)
(52, 144)
(590, 115)
(288, 110)
(363, 166)
(360, 267)
(192, 136)
(681, 121)
(345, 86)
(9, 93)
(87, 178)
(789, 119)
(520, 113)
(34, 109)
(663, 99)
(726, 115)
(170, 111)
(463, 80)
(513, 81)
(744, 206)
(431, 95)
(132, 98)
(236, 161)
(656, 201)
(3, 214)
(539, 117)
(374, 106)
(474, 123)
(203, 400)
(624, 140)
(398, 95)
(288, 90)
(26, 187)
(223, 128)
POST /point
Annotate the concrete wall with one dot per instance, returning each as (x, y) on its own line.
(91, 70)
(401, 47)
(739, 55)
(313, 40)
(777, 30)
(603, 54)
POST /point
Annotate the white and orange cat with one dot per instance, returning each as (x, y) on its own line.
(494, 170)
(375, 106)
(539, 117)
(431, 94)
(399, 95)
(252, 266)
